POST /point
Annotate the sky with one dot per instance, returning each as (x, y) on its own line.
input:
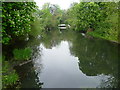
(64, 4)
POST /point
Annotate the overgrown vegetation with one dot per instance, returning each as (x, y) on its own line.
(9, 75)
(16, 19)
(22, 54)
(100, 19)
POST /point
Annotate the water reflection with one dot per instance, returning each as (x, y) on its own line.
(69, 60)
(97, 57)
(61, 70)
(28, 77)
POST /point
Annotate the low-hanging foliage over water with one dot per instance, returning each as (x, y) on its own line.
(22, 54)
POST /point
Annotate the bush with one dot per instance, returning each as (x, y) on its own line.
(9, 76)
(16, 19)
(22, 54)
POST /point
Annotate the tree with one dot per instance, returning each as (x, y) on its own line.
(108, 29)
(89, 14)
(16, 19)
(99, 17)
(50, 15)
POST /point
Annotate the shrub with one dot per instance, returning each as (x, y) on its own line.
(22, 54)
(9, 76)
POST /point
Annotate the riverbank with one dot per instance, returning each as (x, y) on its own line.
(10, 78)
(93, 34)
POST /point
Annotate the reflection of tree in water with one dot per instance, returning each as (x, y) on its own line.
(96, 57)
(28, 77)
(54, 38)
(27, 72)
(110, 82)
(51, 39)
(38, 66)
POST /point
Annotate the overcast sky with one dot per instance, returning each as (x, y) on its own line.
(64, 4)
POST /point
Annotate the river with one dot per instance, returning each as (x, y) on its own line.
(67, 59)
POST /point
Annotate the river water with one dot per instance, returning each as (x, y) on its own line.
(67, 59)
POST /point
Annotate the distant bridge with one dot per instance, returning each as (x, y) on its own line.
(63, 26)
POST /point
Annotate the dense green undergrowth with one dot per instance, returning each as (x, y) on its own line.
(22, 54)
(9, 75)
(17, 18)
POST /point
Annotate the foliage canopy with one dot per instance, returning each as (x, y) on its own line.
(17, 17)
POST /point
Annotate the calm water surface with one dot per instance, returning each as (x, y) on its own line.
(68, 60)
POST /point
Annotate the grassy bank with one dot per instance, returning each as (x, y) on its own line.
(110, 38)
